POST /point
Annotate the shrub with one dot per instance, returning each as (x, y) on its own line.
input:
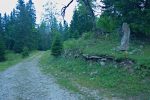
(143, 70)
(87, 35)
(25, 52)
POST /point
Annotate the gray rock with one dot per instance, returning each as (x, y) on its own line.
(126, 37)
(141, 46)
(102, 63)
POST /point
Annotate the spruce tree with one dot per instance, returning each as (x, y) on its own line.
(54, 25)
(11, 30)
(81, 22)
(57, 46)
(2, 47)
(21, 32)
(74, 25)
(7, 30)
(44, 37)
(60, 28)
(2, 50)
(31, 22)
(31, 13)
(1, 26)
(66, 31)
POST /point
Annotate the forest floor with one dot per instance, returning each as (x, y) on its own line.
(24, 81)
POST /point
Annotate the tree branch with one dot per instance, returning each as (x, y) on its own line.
(63, 10)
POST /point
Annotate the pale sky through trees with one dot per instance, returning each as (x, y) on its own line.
(8, 5)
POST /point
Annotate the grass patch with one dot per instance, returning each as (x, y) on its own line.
(92, 75)
(107, 47)
(138, 52)
(12, 59)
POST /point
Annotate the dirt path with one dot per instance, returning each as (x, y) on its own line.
(25, 81)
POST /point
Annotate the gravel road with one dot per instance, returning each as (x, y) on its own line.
(25, 81)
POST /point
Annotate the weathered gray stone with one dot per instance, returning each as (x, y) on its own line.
(126, 37)
(102, 63)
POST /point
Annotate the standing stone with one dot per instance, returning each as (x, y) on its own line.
(125, 38)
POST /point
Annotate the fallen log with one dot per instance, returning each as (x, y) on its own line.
(93, 58)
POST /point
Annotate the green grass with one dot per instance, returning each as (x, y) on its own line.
(12, 59)
(93, 76)
(116, 80)
(107, 46)
(48, 66)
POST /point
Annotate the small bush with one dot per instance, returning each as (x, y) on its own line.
(25, 52)
(143, 70)
(87, 35)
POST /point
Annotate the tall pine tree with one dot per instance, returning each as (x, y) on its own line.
(2, 49)
(66, 31)
(31, 21)
(21, 32)
(11, 30)
(1, 25)
(80, 23)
